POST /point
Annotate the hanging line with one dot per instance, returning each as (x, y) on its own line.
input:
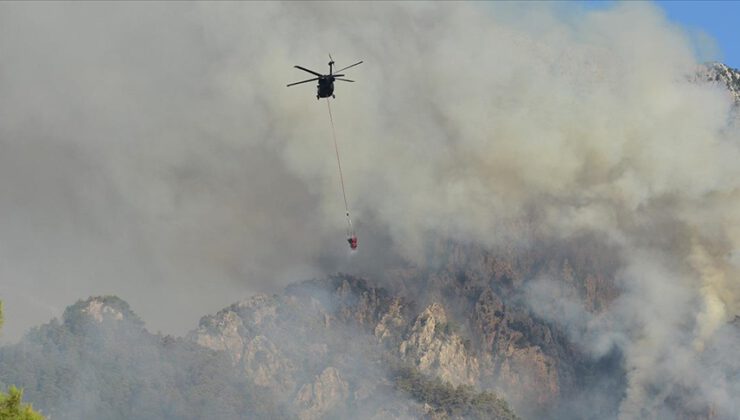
(350, 230)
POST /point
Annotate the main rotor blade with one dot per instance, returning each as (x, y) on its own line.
(349, 66)
(304, 81)
(345, 80)
(310, 71)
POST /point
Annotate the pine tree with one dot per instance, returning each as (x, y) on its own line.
(12, 407)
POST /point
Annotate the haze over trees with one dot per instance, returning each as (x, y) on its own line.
(12, 406)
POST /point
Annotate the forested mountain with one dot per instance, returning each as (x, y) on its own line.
(331, 347)
(267, 357)
(100, 362)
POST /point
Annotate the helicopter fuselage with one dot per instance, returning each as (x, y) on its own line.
(325, 87)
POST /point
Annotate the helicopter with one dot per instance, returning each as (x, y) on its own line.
(325, 88)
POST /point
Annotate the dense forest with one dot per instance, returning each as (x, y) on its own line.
(114, 369)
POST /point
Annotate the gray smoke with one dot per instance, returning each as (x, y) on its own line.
(152, 151)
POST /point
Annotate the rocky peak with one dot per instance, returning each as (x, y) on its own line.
(720, 73)
(257, 310)
(240, 331)
(221, 332)
(349, 299)
(232, 327)
(99, 310)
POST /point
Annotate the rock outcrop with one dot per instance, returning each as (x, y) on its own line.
(434, 347)
(330, 345)
(98, 310)
(325, 393)
(721, 73)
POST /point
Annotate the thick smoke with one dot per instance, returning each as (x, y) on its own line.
(152, 151)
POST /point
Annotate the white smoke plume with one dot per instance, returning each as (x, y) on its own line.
(152, 151)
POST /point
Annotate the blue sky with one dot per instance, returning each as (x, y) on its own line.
(718, 19)
(706, 20)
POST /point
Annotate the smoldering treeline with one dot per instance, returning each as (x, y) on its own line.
(151, 150)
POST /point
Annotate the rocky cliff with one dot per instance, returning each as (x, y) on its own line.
(325, 346)
(332, 344)
(726, 76)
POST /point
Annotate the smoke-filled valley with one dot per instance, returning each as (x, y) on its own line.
(547, 199)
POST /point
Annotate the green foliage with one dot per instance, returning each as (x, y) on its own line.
(11, 407)
(460, 401)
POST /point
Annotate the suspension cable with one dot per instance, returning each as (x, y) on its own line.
(350, 230)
